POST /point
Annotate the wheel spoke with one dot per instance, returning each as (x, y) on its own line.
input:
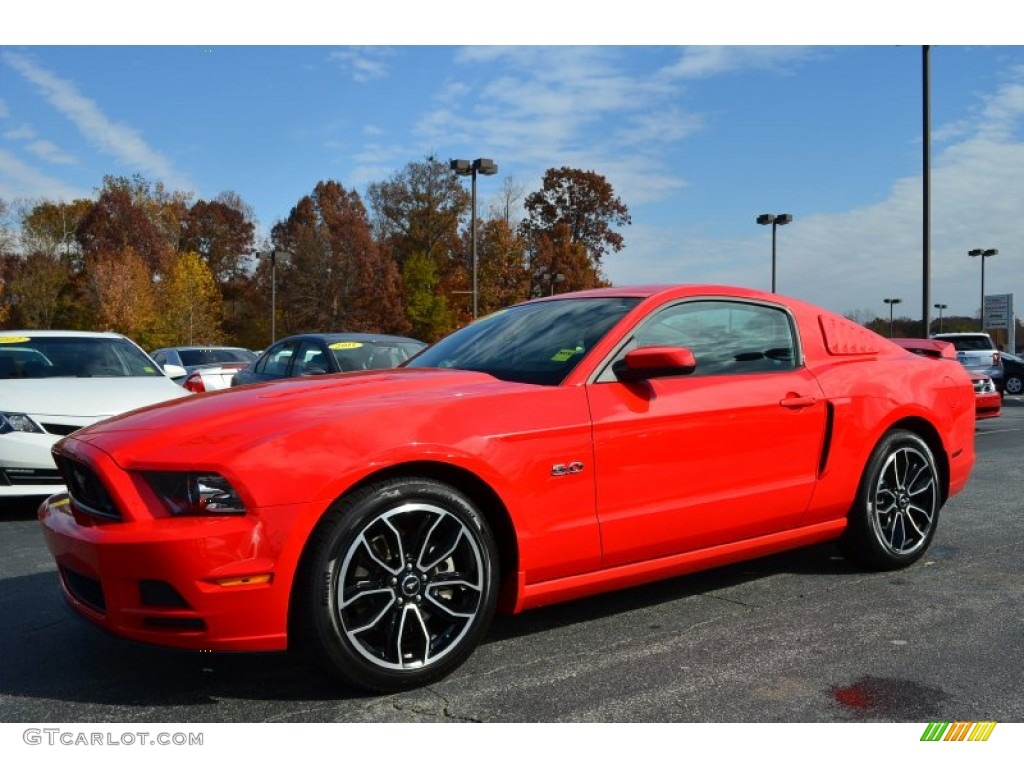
(375, 619)
(412, 640)
(442, 549)
(920, 530)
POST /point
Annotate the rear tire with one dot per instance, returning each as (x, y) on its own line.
(896, 512)
(398, 586)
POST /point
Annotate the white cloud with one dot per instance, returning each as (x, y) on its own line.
(50, 152)
(710, 60)
(19, 180)
(362, 63)
(24, 131)
(115, 139)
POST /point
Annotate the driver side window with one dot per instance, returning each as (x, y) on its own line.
(726, 337)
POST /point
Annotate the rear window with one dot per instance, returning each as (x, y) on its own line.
(191, 357)
(971, 343)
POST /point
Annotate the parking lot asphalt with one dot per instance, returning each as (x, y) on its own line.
(799, 637)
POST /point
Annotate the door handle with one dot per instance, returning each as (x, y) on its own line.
(793, 400)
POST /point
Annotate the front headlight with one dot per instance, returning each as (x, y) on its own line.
(18, 422)
(195, 493)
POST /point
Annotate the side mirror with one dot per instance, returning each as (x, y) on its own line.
(655, 362)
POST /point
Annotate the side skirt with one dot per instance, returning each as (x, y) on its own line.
(525, 596)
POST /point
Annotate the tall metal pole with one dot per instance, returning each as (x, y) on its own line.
(273, 296)
(774, 227)
(473, 240)
(981, 313)
(926, 270)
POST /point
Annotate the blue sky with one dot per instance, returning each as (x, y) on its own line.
(696, 139)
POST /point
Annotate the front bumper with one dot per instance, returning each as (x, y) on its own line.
(26, 465)
(203, 583)
(988, 406)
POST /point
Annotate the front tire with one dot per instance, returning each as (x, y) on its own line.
(896, 512)
(1014, 385)
(398, 585)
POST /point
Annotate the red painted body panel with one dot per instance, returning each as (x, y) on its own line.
(670, 475)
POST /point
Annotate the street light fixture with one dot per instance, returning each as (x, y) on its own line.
(984, 253)
(487, 167)
(940, 307)
(775, 220)
(892, 303)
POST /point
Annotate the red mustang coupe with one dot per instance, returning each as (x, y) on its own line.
(559, 448)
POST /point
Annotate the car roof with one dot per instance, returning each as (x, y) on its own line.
(64, 334)
(350, 337)
(200, 346)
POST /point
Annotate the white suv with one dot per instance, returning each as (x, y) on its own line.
(978, 353)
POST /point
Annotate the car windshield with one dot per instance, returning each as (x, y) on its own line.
(193, 357)
(40, 357)
(538, 343)
(371, 355)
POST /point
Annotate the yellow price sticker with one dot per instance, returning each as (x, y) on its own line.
(562, 355)
(14, 339)
(346, 345)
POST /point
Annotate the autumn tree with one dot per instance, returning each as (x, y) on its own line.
(191, 305)
(559, 264)
(221, 233)
(130, 213)
(575, 207)
(50, 228)
(8, 236)
(337, 278)
(503, 275)
(123, 293)
(42, 287)
(418, 211)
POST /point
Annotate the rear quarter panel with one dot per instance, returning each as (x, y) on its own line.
(873, 386)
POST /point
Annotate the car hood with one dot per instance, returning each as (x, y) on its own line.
(228, 422)
(84, 399)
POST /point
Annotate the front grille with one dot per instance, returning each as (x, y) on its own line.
(84, 589)
(60, 429)
(86, 489)
(25, 476)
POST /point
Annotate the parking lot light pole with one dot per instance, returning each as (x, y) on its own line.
(775, 220)
(940, 307)
(892, 303)
(487, 167)
(273, 255)
(984, 253)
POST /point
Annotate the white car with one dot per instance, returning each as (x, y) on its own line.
(205, 368)
(54, 382)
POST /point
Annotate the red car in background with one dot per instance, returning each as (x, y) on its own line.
(988, 402)
(559, 448)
